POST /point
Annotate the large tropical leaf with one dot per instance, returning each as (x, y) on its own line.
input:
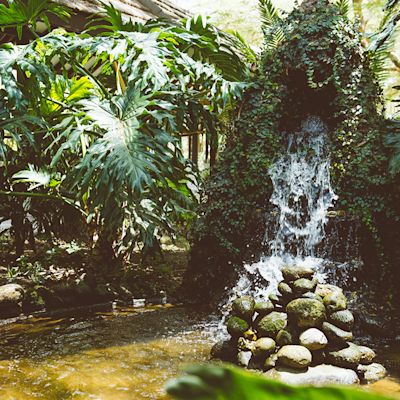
(229, 383)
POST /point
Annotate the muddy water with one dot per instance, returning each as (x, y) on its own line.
(125, 355)
(129, 354)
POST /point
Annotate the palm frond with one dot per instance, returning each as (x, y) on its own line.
(270, 24)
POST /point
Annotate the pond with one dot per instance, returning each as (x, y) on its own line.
(127, 354)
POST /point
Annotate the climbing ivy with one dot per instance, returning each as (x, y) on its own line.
(318, 67)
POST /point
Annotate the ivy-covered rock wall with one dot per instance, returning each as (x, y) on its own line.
(318, 68)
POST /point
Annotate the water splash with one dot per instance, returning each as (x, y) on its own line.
(302, 196)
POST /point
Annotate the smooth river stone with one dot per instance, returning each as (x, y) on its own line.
(349, 357)
(264, 347)
(313, 339)
(243, 307)
(294, 356)
(343, 319)
(373, 372)
(320, 375)
(304, 285)
(336, 334)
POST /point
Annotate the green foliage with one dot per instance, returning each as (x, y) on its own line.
(230, 383)
(18, 14)
(95, 122)
(319, 68)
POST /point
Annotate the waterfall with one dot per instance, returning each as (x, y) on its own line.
(302, 196)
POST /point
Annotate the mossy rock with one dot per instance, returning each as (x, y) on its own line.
(243, 307)
(285, 290)
(348, 357)
(304, 285)
(284, 337)
(308, 313)
(335, 301)
(292, 273)
(343, 319)
(237, 326)
(336, 334)
(312, 295)
(271, 324)
(264, 307)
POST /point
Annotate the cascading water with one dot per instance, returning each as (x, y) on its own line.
(302, 196)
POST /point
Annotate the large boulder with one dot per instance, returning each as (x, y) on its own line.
(336, 334)
(291, 273)
(349, 357)
(237, 326)
(320, 375)
(313, 339)
(308, 313)
(294, 356)
(11, 296)
(372, 373)
(335, 301)
(343, 319)
(271, 324)
(243, 307)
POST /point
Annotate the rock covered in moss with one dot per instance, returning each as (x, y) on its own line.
(336, 334)
(324, 289)
(271, 324)
(243, 307)
(313, 339)
(312, 295)
(343, 319)
(304, 285)
(285, 290)
(308, 313)
(335, 301)
(264, 307)
(294, 356)
(348, 357)
(284, 337)
(237, 326)
(292, 273)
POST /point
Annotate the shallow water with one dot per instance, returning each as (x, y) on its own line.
(129, 354)
(125, 355)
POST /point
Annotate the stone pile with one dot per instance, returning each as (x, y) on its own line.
(302, 335)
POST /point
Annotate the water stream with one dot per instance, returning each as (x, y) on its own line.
(302, 196)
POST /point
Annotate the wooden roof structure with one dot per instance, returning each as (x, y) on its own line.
(137, 10)
(84, 10)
